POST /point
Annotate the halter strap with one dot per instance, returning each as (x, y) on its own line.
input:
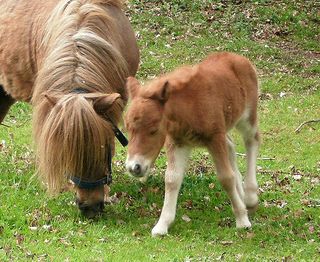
(90, 185)
(105, 180)
(118, 134)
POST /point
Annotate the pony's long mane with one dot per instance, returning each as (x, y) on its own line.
(80, 49)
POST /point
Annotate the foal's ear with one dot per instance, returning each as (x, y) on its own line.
(102, 103)
(132, 86)
(162, 93)
(52, 99)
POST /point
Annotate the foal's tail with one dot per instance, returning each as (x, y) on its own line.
(70, 138)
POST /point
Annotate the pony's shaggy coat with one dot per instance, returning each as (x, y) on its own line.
(47, 50)
(197, 106)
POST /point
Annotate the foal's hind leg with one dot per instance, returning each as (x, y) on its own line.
(233, 162)
(177, 162)
(5, 102)
(250, 136)
(227, 177)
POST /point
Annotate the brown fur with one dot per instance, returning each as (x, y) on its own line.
(202, 101)
(49, 48)
(195, 106)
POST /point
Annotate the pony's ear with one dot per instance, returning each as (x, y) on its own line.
(52, 99)
(132, 86)
(162, 94)
(100, 104)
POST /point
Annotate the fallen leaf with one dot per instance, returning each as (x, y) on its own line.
(297, 177)
(136, 233)
(212, 185)
(311, 229)
(250, 235)
(186, 218)
(188, 204)
(19, 239)
(226, 242)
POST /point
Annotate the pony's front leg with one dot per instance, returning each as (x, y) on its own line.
(177, 162)
(5, 102)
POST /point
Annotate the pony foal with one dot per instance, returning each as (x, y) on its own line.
(197, 106)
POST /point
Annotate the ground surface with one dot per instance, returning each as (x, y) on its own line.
(282, 39)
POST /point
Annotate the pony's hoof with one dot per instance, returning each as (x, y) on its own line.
(159, 231)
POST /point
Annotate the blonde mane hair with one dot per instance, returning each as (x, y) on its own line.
(80, 49)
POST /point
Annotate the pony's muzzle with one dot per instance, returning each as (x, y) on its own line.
(91, 211)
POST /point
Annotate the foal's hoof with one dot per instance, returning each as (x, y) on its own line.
(243, 223)
(159, 231)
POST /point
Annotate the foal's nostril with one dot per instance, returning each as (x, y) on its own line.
(137, 169)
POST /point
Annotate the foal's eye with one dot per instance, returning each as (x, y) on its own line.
(153, 132)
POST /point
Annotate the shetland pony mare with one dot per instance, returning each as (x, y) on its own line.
(70, 59)
(197, 106)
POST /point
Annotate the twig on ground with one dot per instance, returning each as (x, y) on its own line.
(298, 129)
(4, 125)
(260, 158)
(23, 123)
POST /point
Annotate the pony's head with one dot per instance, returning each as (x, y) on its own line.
(75, 140)
(146, 124)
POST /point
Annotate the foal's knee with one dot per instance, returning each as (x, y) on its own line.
(172, 185)
(172, 181)
(252, 139)
(227, 180)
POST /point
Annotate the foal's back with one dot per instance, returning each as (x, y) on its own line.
(218, 92)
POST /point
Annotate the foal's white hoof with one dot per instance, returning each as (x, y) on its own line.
(159, 231)
(244, 223)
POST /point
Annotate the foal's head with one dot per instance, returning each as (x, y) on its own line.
(146, 124)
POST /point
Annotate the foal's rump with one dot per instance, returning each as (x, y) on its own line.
(235, 85)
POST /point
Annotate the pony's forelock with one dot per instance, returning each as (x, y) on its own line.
(81, 51)
(72, 141)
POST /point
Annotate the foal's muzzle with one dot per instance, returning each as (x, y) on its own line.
(138, 166)
(136, 170)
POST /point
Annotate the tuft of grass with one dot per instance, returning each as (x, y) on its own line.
(282, 39)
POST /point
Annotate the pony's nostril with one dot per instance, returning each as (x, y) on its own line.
(91, 211)
(137, 169)
(100, 206)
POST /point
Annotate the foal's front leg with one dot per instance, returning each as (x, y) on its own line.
(177, 162)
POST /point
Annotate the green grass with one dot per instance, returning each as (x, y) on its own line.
(282, 39)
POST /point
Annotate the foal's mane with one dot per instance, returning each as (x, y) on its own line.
(80, 49)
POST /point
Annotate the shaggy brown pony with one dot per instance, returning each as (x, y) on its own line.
(197, 106)
(70, 59)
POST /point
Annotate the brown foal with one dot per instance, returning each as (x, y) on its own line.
(197, 106)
